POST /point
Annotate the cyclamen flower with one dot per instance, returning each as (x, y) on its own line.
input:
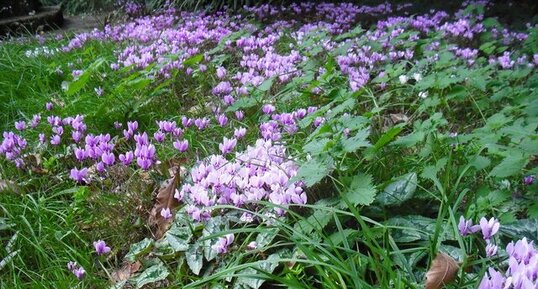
(79, 175)
(201, 123)
(403, 79)
(252, 245)
(55, 140)
(159, 136)
(108, 158)
(181, 146)
(75, 269)
(239, 115)
(417, 76)
(222, 120)
(20, 125)
(227, 145)
(268, 109)
(99, 91)
(318, 121)
(466, 227)
(49, 106)
(423, 94)
(126, 158)
(221, 72)
(240, 132)
(492, 280)
(489, 228)
(491, 250)
(529, 180)
(166, 214)
(101, 247)
(223, 244)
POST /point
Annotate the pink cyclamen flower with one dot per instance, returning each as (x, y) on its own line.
(55, 140)
(268, 109)
(20, 125)
(108, 158)
(239, 115)
(49, 106)
(252, 245)
(528, 180)
(79, 273)
(166, 214)
(491, 250)
(227, 145)
(466, 227)
(126, 158)
(79, 175)
(72, 266)
(489, 228)
(240, 132)
(101, 247)
(223, 244)
(181, 145)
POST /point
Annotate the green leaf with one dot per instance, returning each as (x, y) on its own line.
(195, 258)
(193, 60)
(317, 146)
(398, 191)
(249, 276)
(413, 228)
(314, 170)
(361, 191)
(522, 228)
(480, 162)
(141, 248)
(214, 225)
(511, 165)
(179, 238)
(242, 103)
(152, 274)
(266, 85)
(353, 143)
(386, 138)
(266, 237)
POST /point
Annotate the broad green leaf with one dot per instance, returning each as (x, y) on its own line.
(214, 225)
(249, 276)
(266, 237)
(398, 191)
(242, 103)
(413, 228)
(193, 60)
(314, 170)
(195, 258)
(357, 141)
(522, 228)
(361, 191)
(266, 85)
(152, 274)
(317, 146)
(178, 238)
(138, 249)
(510, 165)
(386, 138)
(480, 162)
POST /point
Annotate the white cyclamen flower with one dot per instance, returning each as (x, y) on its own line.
(423, 94)
(417, 76)
(403, 79)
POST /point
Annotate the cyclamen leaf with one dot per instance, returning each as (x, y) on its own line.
(442, 271)
(179, 238)
(195, 258)
(152, 274)
(139, 249)
(398, 191)
(361, 191)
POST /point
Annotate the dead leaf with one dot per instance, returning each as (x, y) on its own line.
(165, 199)
(10, 186)
(398, 118)
(442, 271)
(125, 272)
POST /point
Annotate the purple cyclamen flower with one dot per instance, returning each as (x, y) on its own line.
(489, 228)
(222, 120)
(80, 154)
(268, 109)
(186, 122)
(108, 158)
(117, 125)
(101, 247)
(240, 132)
(49, 106)
(223, 244)
(126, 158)
(529, 180)
(239, 115)
(79, 175)
(495, 280)
(76, 136)
(181, 146)
(201, 123)
(252, 245)
(159, 136)
(42, 138)
(55, 140)
(72, 266)
(318, 121)
(79, 273)
(99, 91)
(166, 214)
(227, 145)
(466, 227)
(491, 250)
(221, 72)
(20, 125)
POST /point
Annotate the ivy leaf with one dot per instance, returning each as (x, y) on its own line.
(178, 238)
(398, 191)
(138, 249)
(195, 258)
(152, 274)
(361, 191)
(522, 228)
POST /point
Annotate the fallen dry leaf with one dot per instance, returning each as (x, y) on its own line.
(165, 199)
(10, 186)
(125, 272)
(442, 271)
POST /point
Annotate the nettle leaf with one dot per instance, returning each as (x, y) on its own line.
(511, 165)
(179, 238)
(195, 258)
(138, 249)
(353, 143)
(319, 218)
(314, 170)
(361, 190)
(155, 273)
(522, 228)
(193, 60)
(266, 85)
(480, 162)
(398, 191)
(317, 146)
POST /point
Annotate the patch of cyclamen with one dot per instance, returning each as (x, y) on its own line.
(260, 173)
